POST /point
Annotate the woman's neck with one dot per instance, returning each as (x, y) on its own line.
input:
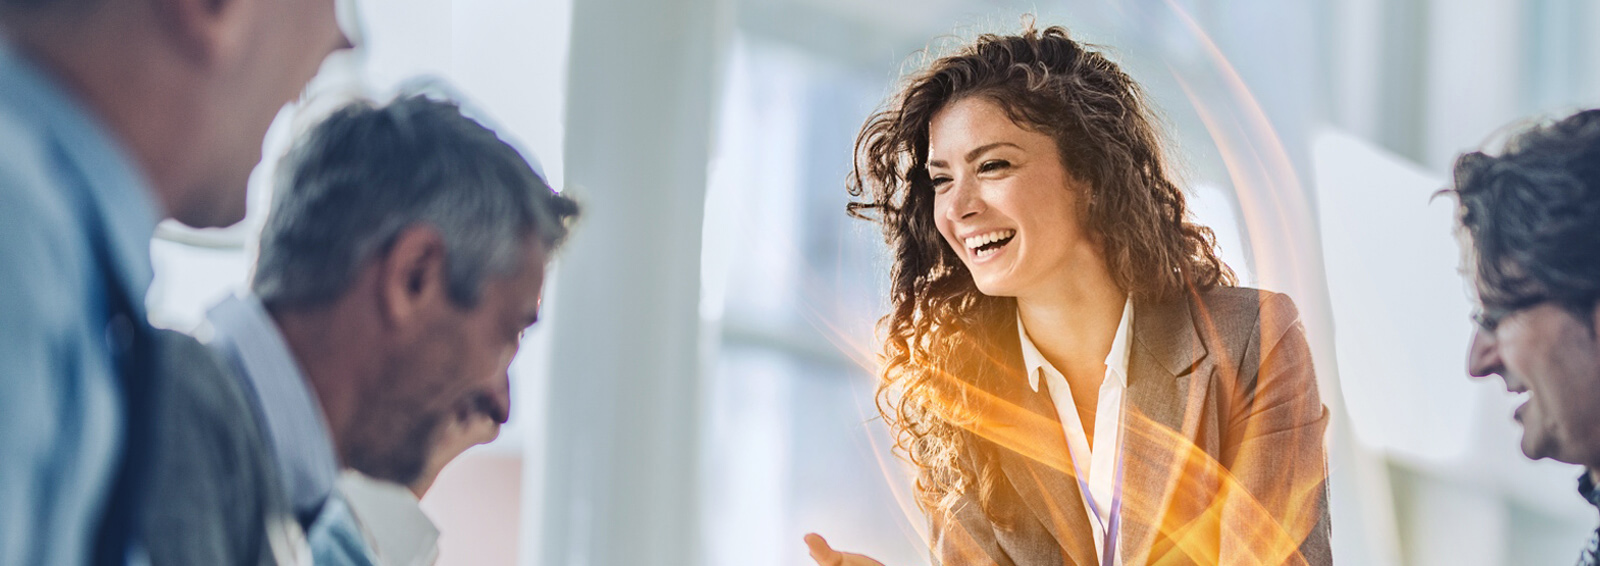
(1074, 322)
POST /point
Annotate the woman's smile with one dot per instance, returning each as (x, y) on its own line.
(986, 245)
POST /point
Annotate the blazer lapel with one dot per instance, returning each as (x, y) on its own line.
(1168, 377)
(1034, 458)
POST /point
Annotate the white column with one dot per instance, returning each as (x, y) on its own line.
(1473, 73)
(625, 358)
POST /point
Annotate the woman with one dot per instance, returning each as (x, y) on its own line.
(1068, 363)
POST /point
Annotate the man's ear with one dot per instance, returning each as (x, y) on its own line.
(209, 33)
(411, 276)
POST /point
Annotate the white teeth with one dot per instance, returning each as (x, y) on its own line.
(974, 242)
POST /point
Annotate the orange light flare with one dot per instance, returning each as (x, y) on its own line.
(1207, 514)
(1277, 213)
(897, 474)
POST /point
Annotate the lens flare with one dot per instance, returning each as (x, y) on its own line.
(1256, 506)
(1265, 492)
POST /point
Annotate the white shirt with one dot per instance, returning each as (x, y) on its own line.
(394, 527)
(245, 335)
(391, 520)
(1102, 461)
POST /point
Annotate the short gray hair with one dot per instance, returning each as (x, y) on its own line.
(366, 173)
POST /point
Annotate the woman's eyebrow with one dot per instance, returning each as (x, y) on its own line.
(971, 155)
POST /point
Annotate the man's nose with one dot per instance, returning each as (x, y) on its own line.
(500, 397)
(1483, 356)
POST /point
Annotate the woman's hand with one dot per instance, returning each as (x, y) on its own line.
(826, 556)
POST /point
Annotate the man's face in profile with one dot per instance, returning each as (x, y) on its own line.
(1552, 358)
(461, 361)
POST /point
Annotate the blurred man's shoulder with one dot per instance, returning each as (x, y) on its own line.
(33, 193)
(45, 259)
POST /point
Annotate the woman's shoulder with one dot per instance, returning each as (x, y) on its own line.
(1242, 313)
(1246, 303)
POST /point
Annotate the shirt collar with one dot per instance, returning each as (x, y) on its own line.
(1116, 359)
(1586, 488)
(118, 194)
(294, 419)
(391, 520)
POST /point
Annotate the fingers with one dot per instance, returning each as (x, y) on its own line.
(823, 554)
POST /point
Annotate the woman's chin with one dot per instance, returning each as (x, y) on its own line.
(990, 287)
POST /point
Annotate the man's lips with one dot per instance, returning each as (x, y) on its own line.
(1526, 400)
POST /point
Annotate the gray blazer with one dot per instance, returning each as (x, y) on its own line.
(212, 494)
(1223, 452)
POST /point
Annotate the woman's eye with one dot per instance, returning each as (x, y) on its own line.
(993, 165)
(939, 183)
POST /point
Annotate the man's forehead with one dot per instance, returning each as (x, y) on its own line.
(528, 281)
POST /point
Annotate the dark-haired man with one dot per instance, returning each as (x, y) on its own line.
(403, 258)
(114, 115)
(1531, 217)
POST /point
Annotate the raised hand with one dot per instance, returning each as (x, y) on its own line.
(826, 556)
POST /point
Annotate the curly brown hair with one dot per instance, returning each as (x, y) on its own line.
(941, 335)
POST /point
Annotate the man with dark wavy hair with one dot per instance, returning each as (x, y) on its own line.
(1531, 218)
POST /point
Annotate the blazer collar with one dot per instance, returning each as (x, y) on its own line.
(1165, 332)
(1170, 375)
(1032, 451)
(1167, 380)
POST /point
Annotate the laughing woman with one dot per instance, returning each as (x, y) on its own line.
(1069, 365)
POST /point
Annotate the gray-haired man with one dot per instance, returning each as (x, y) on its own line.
(403, 258)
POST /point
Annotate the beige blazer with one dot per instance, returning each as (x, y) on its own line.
(1224, 460)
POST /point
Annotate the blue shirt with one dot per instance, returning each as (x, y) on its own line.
(67, 189)
(247, 337)
(336, 538)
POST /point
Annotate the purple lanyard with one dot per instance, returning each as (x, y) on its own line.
(1108, 549)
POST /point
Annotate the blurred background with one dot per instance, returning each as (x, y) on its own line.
(700, 389)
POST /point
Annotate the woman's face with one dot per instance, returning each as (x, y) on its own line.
(1004, 201)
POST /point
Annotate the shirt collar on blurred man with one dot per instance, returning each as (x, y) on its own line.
(248, 338)
(391, 520)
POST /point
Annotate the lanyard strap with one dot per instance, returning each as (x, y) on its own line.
(1108, 547)
(1112, 526)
